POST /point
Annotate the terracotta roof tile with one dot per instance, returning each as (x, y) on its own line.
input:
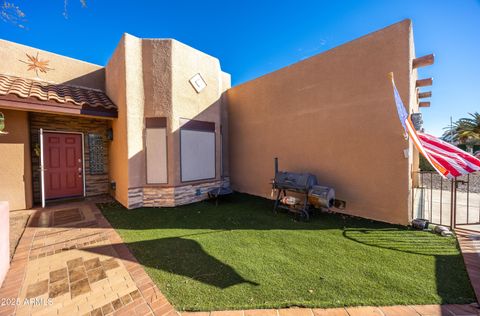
(60, 93)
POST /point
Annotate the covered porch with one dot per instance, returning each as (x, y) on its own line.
(54, 143)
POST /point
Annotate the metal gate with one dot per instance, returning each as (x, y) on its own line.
(446, 202)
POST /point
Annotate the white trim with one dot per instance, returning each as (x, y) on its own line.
(41, 160)
(60, 132)
(83, 165)
(42, 170)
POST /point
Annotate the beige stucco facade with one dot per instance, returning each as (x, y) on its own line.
(145, 78)
(15, 165)
(188, 104)
(115, 88)
(63, 69)
(149, 78)
(332, 115)
(16, 169)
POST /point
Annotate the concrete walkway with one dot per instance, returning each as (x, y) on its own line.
(435, 205)
(70, 261)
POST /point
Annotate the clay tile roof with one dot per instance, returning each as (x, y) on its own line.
(59, 93)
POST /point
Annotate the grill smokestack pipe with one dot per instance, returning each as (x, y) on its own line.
(276, 166)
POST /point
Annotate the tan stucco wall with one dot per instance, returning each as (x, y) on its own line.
(188, 104)
(157, 80)
(64, 69)
(226, 84)
(332, 115)
(15, 165)
(135, 109)
(118, 150)
(167, 67)
(414, 158)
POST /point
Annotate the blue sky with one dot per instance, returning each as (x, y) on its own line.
(252, 38)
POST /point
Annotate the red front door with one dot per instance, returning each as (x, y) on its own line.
(63, 165)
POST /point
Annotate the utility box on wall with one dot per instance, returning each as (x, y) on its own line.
(4, 240)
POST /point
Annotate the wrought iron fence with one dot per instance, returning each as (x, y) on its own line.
(446, 202)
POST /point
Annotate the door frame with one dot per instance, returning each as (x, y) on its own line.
(42, 165)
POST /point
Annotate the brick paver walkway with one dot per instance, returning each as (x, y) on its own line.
(469, 241)
(18, 221)
(70, 261)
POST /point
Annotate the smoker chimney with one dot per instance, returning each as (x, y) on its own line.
(276, 166)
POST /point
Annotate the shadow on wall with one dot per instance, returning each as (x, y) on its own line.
(174, 255)
(94, 79)
(214, 112)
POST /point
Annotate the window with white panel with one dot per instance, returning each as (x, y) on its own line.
(156, 150)
(197, 150)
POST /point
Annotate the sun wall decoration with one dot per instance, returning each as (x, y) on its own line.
(35, 64)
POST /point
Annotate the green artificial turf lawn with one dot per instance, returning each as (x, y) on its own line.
(241, 255)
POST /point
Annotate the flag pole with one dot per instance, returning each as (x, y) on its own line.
(451, 130)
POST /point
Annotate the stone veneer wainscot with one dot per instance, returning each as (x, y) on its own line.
(156, 196)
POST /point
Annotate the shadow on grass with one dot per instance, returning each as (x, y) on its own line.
(237, 211)
(414, 242)
(447, 259)
(179, 256)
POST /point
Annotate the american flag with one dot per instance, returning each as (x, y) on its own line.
(448, 160)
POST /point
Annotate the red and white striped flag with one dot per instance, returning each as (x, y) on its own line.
(448, 160)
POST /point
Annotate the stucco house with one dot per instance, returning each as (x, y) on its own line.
(159, 125)
(117, 129)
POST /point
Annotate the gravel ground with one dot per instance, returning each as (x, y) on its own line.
(434, 180)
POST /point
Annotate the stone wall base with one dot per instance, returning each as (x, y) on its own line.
(152, 196)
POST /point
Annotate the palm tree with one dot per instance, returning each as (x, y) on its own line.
(468, 129)
(464, 131)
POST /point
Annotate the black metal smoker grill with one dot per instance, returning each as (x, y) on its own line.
(305, 185)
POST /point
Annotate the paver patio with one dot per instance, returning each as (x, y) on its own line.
(71, 255)
(70, 261)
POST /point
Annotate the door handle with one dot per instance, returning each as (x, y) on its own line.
(79, 172)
